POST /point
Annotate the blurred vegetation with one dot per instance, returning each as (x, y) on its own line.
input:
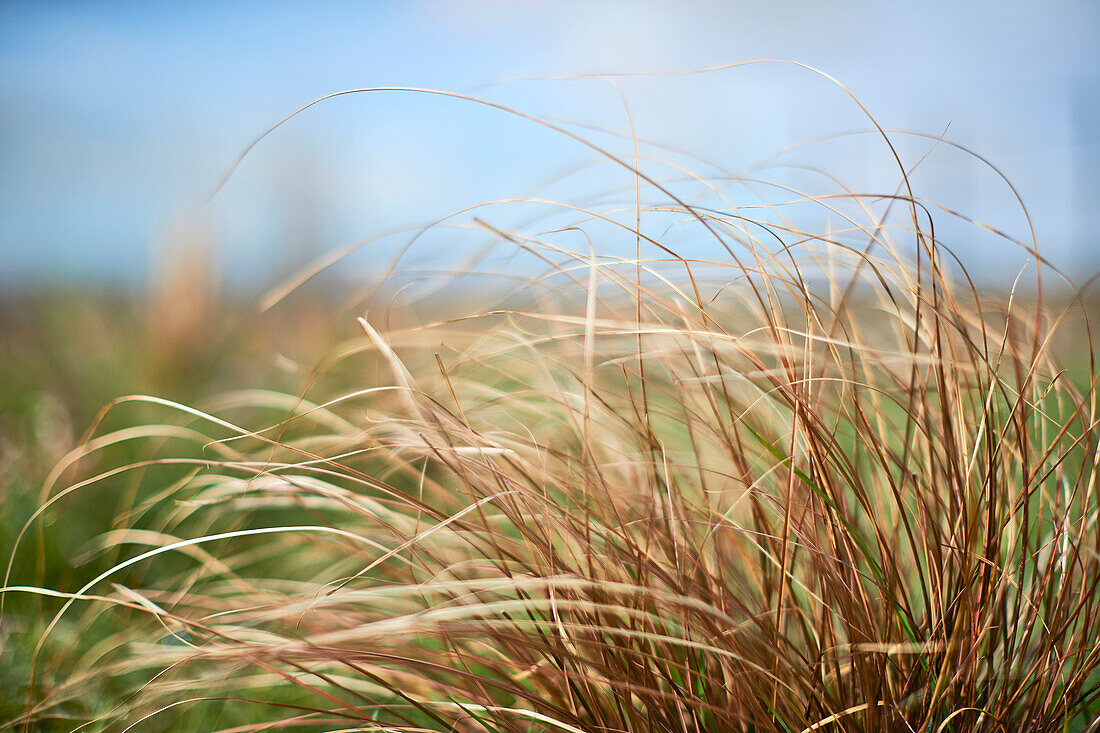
(67, 354)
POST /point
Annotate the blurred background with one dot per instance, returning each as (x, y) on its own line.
(119, 273)
(119, 117)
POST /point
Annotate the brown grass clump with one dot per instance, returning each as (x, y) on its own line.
(809, 484)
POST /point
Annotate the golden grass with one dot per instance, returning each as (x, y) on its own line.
(812, 484)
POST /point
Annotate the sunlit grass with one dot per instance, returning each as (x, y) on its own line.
(816, 483)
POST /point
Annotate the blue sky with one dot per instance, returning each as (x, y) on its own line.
(118, 117)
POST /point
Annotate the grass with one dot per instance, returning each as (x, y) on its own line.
(814, 482)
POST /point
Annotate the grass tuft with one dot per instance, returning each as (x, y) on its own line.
(819, 480)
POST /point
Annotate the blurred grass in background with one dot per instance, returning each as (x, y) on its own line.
(67, 353)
